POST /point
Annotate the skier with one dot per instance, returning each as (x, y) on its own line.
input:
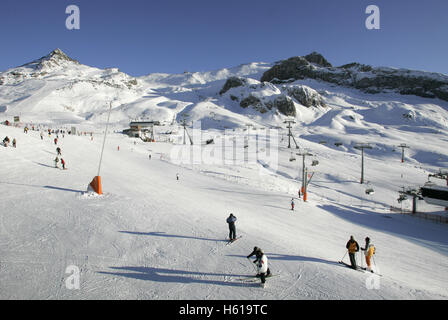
(149, 156)
(352, 247)
(14, 143)
(6, 141)
(63, 164)
(58, 150)
(56, 161)
(369, 252)
(55, 140)
(292, 204)
(262, 264)
(232, 230)
(177, 176)
(41, 136)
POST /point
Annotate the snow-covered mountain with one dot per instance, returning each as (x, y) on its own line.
(151, 236)
(329, 104)
(59, 87)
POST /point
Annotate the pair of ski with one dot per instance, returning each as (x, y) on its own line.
(229, 242)
(360, 269)
(251, 279)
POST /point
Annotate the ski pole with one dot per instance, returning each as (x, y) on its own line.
(344, 256)
(252, 265)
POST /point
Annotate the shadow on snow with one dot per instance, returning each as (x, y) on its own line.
(175, 276)
(424, 233)
(163, 234)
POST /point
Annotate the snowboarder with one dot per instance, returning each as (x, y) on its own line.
(58, 150)
(369, 252)
(14, 143)
(232, 230)
(292, 204)
(56, 162)
(262, 264)
(352, 247)
(63, 164)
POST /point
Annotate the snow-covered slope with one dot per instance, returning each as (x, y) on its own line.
(154, 237)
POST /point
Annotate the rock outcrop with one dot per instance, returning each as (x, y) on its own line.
(360, 76)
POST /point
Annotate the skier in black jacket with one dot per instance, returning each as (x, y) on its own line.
(352, 247)
(232, 230)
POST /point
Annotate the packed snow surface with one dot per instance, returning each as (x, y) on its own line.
(151, 236)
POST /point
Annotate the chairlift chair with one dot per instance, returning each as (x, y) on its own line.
(292, 157)
(369, 189)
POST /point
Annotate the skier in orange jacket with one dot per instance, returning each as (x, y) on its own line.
(369, 252)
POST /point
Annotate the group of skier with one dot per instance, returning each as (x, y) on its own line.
(6, 142)
(261, 260)
(353, 247)
(56, 160)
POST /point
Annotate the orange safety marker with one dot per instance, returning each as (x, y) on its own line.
(96, 185)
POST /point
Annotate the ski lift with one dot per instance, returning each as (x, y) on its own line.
(315, 162)
(401, 198)
(369, 190)
(292, 157)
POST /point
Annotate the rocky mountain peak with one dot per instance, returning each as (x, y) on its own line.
(54, 59)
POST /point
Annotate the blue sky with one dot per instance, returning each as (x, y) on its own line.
(141, 37)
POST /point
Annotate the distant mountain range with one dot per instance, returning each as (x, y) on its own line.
(57, 87)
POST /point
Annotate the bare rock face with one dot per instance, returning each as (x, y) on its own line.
(284, 105)
(306, 96)
(318, 59)
(359, 76)
(232, 82)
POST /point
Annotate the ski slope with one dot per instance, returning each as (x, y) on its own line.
(151, 236)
